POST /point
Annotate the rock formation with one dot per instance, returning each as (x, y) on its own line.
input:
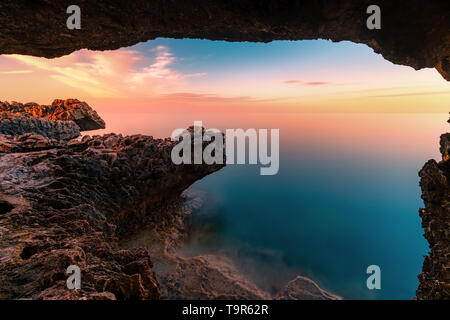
(68, 202)
(414, 33)
(13, 124)
(63, 119)
(302, 288)
(434, 281)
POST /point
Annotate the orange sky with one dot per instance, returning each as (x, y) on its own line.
(153, 77)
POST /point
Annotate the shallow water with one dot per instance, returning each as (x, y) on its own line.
(346, 197)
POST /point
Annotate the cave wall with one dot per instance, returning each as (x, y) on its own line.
(414, 33)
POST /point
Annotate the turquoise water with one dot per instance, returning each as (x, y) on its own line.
(346, 196)
(336, 206)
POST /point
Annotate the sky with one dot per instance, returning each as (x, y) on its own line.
(281, 76)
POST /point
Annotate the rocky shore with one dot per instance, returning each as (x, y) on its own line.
(434, 281)
(63, 119)
(111, 205)
(65, 202)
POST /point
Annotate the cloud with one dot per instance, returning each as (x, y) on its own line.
(407, 94)
(306, 83)
(16, 72)
(117, 73)
(210, 98)
(316, 83)
(160, 68)
(291, 81)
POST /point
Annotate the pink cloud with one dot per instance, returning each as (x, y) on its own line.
(291, 81)
(306, 83)
(112, 73)
(316, 83)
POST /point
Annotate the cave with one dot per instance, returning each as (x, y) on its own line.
(413, 34)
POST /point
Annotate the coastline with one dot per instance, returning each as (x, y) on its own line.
(72, 202)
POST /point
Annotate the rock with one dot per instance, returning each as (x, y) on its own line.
(434, 281)
(27, 142)
(69, 202)
(207, 276)
(302, 288)
(79, 112)
(413, 34)
(17, 124)
(68, 111)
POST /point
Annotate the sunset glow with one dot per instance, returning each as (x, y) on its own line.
(302, 76)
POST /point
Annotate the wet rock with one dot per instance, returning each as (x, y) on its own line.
(302, 288)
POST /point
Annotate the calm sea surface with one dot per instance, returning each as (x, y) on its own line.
(346, 197)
